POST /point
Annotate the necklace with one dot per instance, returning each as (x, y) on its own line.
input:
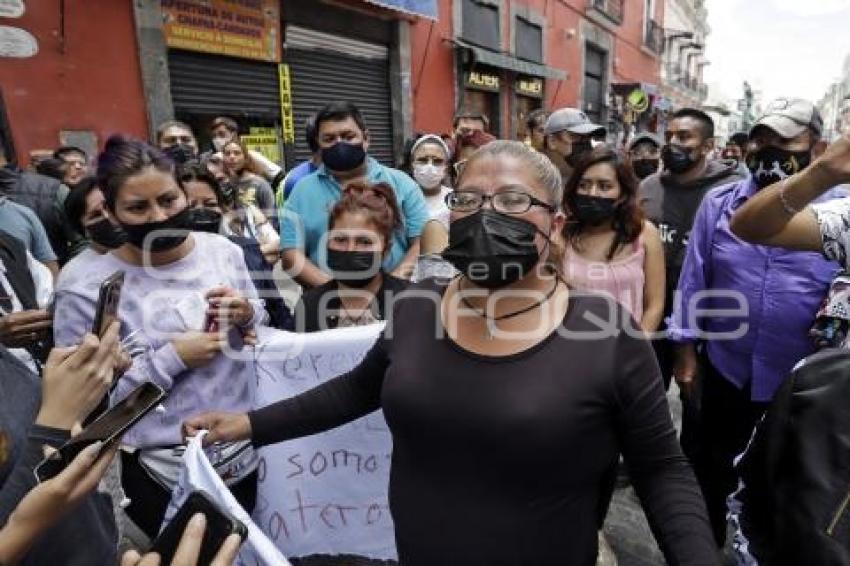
(356, 320)
(492, 320)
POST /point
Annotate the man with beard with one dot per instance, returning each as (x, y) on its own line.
(750, 306)
(568, 138)
(670, 199)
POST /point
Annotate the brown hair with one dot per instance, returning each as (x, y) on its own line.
(628, 218)
(225, 121)
(250, 164)
(376, 202)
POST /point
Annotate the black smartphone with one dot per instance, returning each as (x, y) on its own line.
(106, 428)
(220, 525)
(106, 311)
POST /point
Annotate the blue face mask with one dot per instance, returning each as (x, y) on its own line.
(343, 156)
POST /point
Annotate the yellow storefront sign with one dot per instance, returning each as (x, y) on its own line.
(286, 117)
(250, 30)
(263, 140)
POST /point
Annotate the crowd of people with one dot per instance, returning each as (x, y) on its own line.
(539, 298)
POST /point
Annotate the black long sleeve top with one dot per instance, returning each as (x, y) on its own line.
(502, 460)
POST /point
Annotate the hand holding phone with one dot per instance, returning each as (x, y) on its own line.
(220, 525)
(108, 299)
(107, 428)
(47, 503)
(75, 379)
(227, 307)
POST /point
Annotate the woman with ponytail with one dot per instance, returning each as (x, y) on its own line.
(187, 304)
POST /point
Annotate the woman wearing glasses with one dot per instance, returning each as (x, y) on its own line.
(610, 248)
(360, 234)
(509, 400)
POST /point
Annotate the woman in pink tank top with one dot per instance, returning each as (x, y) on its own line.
(609, 247)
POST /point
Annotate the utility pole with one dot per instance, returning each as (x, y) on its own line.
(745, 105)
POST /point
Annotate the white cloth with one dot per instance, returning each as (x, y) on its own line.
(262, 231)
(437, 208)
(833, 218)
(270, 169)
(198, 474)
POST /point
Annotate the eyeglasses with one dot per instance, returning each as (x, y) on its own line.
(171, 140)
(507, 202)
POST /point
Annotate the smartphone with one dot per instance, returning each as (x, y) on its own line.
(210, 325)
(220, 525)
(106, 311)
(106, 428)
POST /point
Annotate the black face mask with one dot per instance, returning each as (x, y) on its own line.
(354, 269)
(343, 156)
(180, 153)
(594, 210)
(175, 231)
(492, 249)
(203, 219)
(580, 149)
(771, 164)
(677, 159)
(645, 167)
(106, 234)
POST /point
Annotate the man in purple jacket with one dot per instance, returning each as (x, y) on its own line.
(750, 307)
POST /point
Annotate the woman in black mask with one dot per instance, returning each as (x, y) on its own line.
(211, 211)
(360, 233)
(509, 400)
(188, 303)
(86, 215)
(610, 248)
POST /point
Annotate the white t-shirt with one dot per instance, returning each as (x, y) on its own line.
(833, 219)
(437, 208)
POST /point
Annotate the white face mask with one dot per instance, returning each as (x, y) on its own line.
(428, 176)
(219, 141)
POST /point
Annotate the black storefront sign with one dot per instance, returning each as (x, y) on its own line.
(483, 80)
(529, 86)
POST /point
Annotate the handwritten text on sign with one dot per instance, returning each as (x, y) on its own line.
(326, 493)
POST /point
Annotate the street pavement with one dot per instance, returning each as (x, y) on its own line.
(626, 530)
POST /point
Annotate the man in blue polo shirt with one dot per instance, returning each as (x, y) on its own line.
(343, 141)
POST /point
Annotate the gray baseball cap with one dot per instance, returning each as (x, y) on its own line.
(789, 117)
(572, 120)
(650, 137)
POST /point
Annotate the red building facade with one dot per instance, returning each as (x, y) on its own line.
(82, 85)
(504, 57)
(592, 54)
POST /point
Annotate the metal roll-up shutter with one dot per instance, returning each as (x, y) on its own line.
(326, 68)
(215, 85)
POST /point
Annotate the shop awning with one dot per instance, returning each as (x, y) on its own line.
(423, 8)
(495, 59)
